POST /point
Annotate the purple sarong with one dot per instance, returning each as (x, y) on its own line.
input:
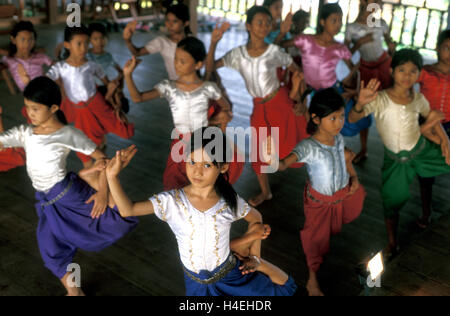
(65, 224)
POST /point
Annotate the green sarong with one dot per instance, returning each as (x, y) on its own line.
(399, 170)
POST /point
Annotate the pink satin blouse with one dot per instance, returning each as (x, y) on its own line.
(319, 62)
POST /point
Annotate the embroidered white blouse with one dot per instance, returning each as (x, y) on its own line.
(397, 124)
(189, 109)
(167, 49)
(79, 82)
(47, 154)
(203, 237)
(260, 73)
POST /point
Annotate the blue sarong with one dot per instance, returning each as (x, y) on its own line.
(234, 283)
(353, 129)
(65, 224)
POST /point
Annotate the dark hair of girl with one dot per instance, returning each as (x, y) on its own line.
(253, 11)
(45, 91)
(443, 36)
(327, 10)
(269, 3)
(181, 11)
(19, 27)
(195, 48)
(216, 146)
(298, 17)
(97, 27)
(323, 103)
(70, 33)
(405, 55)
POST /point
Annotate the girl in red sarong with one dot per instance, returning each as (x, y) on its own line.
(332, 196)
(82, 103)
(274, 107)
(368, 39)
(189, 100)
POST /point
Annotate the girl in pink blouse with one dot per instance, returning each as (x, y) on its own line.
(320, 52)
(320, 56)
(23, 62)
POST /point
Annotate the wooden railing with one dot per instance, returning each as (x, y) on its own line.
(415, 23)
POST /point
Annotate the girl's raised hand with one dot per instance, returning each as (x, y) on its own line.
(131, 65)
(286, 24)
(129, 30)
(369, 93)
(120, 161)
(218, 32)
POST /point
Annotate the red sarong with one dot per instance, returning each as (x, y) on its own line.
(96, 119)
(324, 216)
(11, 158)
(379, 69)
(277, 112)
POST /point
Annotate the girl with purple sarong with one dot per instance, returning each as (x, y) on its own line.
(200, 215)
(74, 211)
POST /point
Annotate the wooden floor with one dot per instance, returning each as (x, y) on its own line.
(146, 262)
(422, 269)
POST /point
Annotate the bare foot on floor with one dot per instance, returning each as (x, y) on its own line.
(76, 292)
(312, 286)
(390, 252)
(257, 200)
(360, 157)
(422, 222)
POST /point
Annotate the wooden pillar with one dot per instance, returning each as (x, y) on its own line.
(193, 14)
(321, 4)
(52, 11)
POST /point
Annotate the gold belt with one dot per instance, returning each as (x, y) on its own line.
(59, 196)
(270, 96)
(227, 267)
(308, 193)
(411, 155)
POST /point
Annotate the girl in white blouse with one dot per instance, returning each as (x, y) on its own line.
(177, 25)
(188, 98)
(74, 210)
(200, 215)
(274, 106)
(82, 103)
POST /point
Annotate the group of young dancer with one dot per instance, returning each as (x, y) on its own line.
(295, 88)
